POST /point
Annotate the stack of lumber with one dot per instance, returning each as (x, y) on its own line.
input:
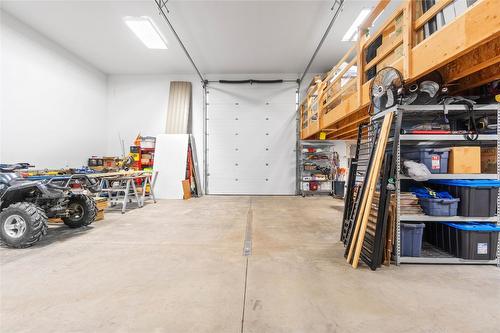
(101, 203)
(408, 206)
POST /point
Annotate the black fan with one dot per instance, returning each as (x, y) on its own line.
(385, 89)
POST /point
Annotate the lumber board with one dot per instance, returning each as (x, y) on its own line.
(479, 24)
(370, 184)
(389, 21)
(331, 73)
(391, 46)
(477, 79)
(373, 176)
(433, 11)
(479, 58)
(374, 14)
(408, 37)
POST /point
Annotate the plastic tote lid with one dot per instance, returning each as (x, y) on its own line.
(474, 226)
(467, 182)
(413, 225)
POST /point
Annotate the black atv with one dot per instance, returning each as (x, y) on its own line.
(26, 206)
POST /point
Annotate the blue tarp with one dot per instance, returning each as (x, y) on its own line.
(424, 192)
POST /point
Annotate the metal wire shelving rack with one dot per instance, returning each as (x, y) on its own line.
(323, 159)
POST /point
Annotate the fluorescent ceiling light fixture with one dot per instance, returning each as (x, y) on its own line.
(146, 30)
(352, 32)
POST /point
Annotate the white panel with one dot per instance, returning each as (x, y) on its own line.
(179, 108)
(170, 162)
(251, 138)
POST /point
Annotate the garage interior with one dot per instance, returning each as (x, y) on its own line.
(249, 166)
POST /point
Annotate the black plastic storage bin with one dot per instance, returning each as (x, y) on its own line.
(474, 241)
(338, 188)
(436, 160)
(439, 207)
(478, 198)
(411, 239)
(437, 234)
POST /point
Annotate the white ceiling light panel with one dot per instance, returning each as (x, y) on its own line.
(352, 32)
(146, 30)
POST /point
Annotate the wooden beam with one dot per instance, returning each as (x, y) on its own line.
(480, 78)
(343, 59)
(346, 68)
(388, 22)
(478, 25)
(476, 68)
(408, 16)
(340, 92)
(361, 67)
(376, 11)
(433, 11)
(392, 46)
(479, 58)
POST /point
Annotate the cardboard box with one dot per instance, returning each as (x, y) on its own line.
(488, 160)
(464, 160)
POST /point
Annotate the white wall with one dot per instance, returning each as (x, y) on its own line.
(139, 103)
(52, 104)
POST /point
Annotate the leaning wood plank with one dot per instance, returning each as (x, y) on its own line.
(384, 135)
(364, 207)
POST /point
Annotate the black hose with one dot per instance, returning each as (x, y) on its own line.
(251, 81)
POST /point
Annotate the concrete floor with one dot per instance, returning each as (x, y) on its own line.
(177, 266)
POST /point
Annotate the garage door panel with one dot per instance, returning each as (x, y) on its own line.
(258, 94)
(251, 139)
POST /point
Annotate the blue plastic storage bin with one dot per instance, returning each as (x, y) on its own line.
(411, 239)
(436, 160)
(439, 207)
(477, 197)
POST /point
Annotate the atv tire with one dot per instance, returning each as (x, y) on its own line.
(22, 224)
(82, 211)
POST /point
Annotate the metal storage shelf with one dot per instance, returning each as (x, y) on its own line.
(428, 218)
(450, 139)
(317, 181)
(327, 150)
(409, 109)
(445, 137)
(458, 176)
(451, 260)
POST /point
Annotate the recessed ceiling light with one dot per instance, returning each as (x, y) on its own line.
(146, 30)
(352, 32)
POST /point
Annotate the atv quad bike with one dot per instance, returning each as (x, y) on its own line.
(26, 206)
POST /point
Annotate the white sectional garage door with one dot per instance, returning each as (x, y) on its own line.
(251, 138)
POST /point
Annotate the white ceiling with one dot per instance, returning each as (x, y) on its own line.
(223, 37)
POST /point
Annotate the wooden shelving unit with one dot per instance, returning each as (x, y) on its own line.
(464, 50)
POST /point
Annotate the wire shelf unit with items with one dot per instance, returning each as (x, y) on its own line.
(316, 167)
